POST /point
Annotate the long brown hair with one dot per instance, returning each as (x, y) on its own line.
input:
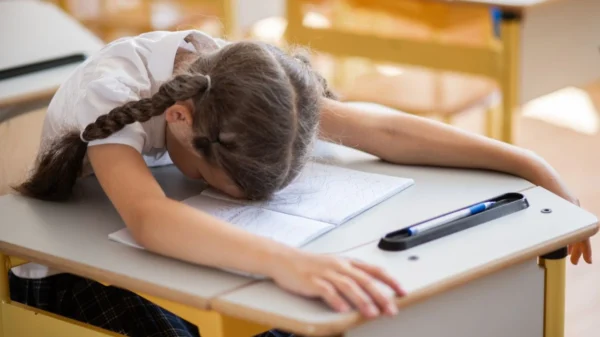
(256, 115)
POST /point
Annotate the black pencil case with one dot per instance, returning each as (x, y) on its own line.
(505, 204)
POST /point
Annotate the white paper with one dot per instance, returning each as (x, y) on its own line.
(287, 229)
(328, 193)
(123, 236)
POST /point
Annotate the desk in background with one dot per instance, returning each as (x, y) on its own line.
(33, 32)
(488, 265)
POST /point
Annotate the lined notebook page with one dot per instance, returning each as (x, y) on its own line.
(292, 230)
(284, 228)
(328, 193)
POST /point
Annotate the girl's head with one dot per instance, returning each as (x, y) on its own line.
(243, 118)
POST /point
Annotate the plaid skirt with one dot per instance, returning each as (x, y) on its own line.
(107, 307)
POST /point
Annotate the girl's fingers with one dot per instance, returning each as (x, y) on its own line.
(354, 293)
(381, 275)
(331, 296)
(576, 253)
(386, 304)
(587, 251)
(570, 249)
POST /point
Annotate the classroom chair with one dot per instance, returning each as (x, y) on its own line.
(365, 36)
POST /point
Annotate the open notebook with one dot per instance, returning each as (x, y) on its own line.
(321, 198)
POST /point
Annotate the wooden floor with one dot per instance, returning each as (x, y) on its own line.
(573, 154)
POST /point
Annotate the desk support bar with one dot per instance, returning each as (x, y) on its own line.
(554, 292)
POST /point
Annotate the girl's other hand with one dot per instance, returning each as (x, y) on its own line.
(581, 248)
(547, 178)
(342, 283)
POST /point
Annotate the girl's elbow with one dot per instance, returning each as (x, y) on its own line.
(139, 222)
(140, 233)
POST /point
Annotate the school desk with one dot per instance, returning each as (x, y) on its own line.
(490, 262)
(39, 34)
(544, 45)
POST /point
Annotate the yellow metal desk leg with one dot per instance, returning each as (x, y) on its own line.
(4, 291)
(554, 293)
(509, 81)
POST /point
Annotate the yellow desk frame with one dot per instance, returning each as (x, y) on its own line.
(18, 320)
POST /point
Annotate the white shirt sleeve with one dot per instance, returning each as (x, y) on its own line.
(99, 98)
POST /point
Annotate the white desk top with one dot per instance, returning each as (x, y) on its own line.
(441, 264)
(34, 31)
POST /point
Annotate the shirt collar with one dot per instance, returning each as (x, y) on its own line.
(163, 52)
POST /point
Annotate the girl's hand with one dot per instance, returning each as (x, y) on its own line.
(341, 282)
(583, 247)
(547, 178)
(580, 248)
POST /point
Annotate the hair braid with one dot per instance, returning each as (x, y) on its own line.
(180, 88)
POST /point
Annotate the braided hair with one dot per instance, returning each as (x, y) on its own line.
(256, 113)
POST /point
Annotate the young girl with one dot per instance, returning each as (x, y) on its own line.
(243, 117)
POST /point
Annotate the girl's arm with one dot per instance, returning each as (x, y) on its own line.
(407, 139)
(174, 229)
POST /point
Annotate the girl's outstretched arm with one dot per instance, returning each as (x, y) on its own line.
(171, 228)
(407, 139)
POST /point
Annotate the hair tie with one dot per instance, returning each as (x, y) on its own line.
(203, 142)
(208, 84)
(81, 137)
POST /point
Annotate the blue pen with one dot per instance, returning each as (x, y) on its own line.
(450, 217)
